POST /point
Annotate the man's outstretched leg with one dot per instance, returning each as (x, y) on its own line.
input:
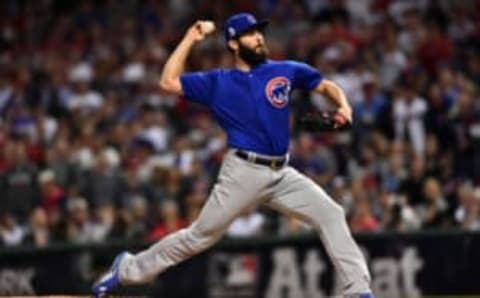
(143, 267)
(235, 191)
(298, 195)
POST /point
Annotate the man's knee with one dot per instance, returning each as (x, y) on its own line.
(326, 212)
(337, 210)
(202, 238)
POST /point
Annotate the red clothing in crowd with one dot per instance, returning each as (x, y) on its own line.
(161, 230)
(364, 224)
(51, 200)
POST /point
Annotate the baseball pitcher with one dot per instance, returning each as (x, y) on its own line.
(251, 102)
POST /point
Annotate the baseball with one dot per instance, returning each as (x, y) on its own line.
(207, 27)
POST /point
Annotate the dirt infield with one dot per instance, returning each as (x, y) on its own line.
(73, 296)
(126, 296)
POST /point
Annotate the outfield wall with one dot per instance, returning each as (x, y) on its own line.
(402, 265)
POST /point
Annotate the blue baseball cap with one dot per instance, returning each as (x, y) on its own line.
(240, 23)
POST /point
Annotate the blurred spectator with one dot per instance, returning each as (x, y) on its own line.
(434, 160)
(104, 183)
(394, 60)
(408, 112)
(103, 221)
(362, 219)
(396, 214)
(413, 31)
(461, 26)
(369, 108)
(249, 223)
(80, 228)
(465, 121)
(158, 186)
(3, 159)
(181, 157)
(437, 116)
(19, 186)
(11, 232)
(435, 50)
(83, 146)
(467, 212)
(395, 173)
(46, 127)
(412, 186)
(140, 217)
(7, 96)
(155, 129)
(315, 160)
(194, 199)
(434, 210)
(169, 221)
(365, 169)
(52, 196)
(143, 158)
(83, 99)
(341, 193)
(38, 234)
(58, 159)
(388, 211)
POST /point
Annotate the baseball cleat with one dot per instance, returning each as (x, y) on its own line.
(109, 279)
(365, 295)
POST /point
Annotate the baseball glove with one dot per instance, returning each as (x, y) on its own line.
(323, 121)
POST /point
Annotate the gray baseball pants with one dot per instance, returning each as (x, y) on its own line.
(242, 184)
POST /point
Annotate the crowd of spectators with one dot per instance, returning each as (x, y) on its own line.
(91, 150)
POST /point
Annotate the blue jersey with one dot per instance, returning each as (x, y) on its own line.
(252, 107)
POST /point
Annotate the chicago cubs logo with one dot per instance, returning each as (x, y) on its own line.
(277, 91)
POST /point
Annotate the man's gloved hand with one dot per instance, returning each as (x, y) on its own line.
(323, 121)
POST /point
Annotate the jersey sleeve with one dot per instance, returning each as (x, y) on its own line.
(305, 76)
(199, 86)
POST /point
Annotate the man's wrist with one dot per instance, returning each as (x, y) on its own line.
(189, 41)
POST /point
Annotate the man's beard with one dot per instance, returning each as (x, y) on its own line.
(250, 56)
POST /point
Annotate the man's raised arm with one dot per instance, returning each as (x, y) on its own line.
(175, 65)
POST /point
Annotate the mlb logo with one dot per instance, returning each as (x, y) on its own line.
(251, 19)
(231, 31)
